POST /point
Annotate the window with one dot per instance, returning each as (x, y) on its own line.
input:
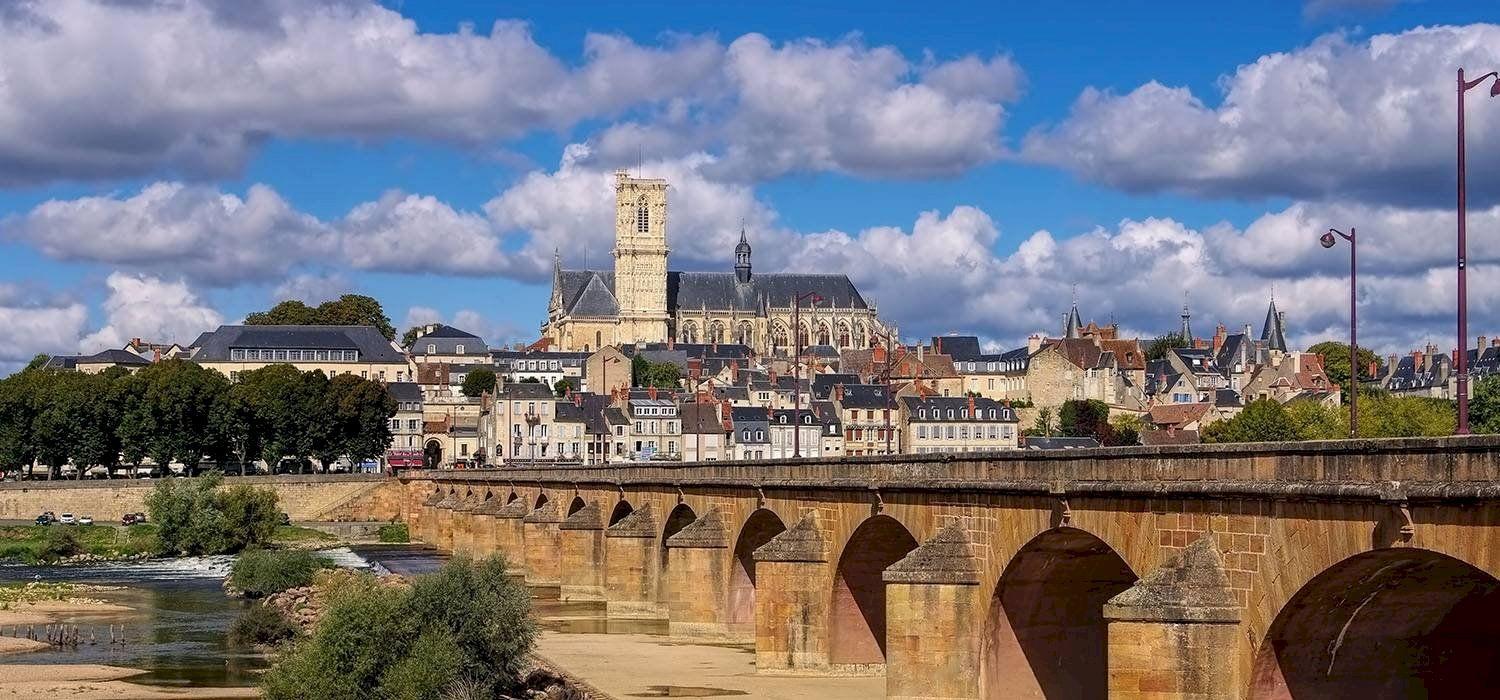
(922, 431)
(760, 435)
(642, 217)
(463, 449)
(431, 349)
(951, 432)
(459, 349)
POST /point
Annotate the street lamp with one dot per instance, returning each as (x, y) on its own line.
(1328, 241)
(1463, 215)
(890, 359)
(814, 298)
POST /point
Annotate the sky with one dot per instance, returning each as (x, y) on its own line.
(169, 165)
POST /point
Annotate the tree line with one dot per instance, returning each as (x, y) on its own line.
(179, 411)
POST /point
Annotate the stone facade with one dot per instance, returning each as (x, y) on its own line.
(308, 498)
(1225, 571)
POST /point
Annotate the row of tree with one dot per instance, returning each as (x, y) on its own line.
(347, 310)
(1380, 415)
(178, 411)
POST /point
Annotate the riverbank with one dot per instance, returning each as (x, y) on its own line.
(97, 682)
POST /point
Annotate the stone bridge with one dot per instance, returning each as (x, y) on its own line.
(1311, 570)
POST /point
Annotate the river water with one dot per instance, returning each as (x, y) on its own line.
(176, 628)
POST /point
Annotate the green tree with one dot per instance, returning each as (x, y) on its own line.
(1484, 408)
(196, 516)
(167, 410)
(1044, 426)
(664, 375)
(1162, 344)
(1406, 416)
(355, 310)
(347, 310)
(640, 370)
(478, 381)
(1127, 429)
(1313, 420)
(287, 313)
(563, 386)
(37, 362)
(1087, 418)
(1336, 362)
(285, 411)
(410, 336)
(1262, 420)
(360, 411)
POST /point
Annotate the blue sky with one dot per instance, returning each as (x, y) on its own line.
(957, 182)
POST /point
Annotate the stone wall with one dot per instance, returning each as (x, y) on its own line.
(345, 497)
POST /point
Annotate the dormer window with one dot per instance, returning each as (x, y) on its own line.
(459, 350)
(431, 349)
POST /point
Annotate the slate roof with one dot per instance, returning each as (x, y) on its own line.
(590, 293)
(939, 406)
(114, 356)
(445, 331)
(372, 346)
(822, 384)
(405, 392)
(1273, 332)
(525, 390)
(863, 396)
(1409, 377)
(1484, 361)
(61, 362)
(962, 348)
(1228, 398)
(701, 418)
(749, 414)
(1058, 443)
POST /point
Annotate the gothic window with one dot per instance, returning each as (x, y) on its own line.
(642, 217)
(802, 335)
(744, 335)
(715, 332)
(689, 332)
(843, 335)
(778, 338)
(859, 335)
(822, 334)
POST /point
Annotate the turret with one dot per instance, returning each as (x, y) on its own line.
(742, 258)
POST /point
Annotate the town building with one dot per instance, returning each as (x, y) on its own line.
(795, 433)
(705, 435)
(436, 342)
(406, 426)
(545, 367)
(944, 424)
(752, 432)
(641, 300)
(870, 420)
(519, 426)
(655, 427)
(358, 350)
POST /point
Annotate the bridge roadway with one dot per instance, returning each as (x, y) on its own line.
(1308, 570)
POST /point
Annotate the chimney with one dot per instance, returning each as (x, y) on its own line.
(971, 407)
(1416, 360)
(877, 355)
(156, 354)
(920, 349)
(734, 371)
(838, 392)
(1481, 343)
(651, 391)
(671, 342)
(1033, 343)
(1391, 360)
(726, 410)
(577, 399)
(1220, 333)
(773, 376)
(1374, 369)
(135, 342)
(695, 368)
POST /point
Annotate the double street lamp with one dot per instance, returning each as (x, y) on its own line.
(1328, 241)
(1463, 215)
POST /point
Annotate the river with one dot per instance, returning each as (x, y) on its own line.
(176, 628)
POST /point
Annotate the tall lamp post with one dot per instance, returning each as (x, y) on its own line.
(813, 298)
(890, 359)
(1463, 216)
(1328, 241)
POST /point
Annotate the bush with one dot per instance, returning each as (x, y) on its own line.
(193, 516)
(259, 572)
(463, 627)
(262, 625)
(395, 533)
(59, 542)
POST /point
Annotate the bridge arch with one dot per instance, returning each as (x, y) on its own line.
(575, 505)
(622, 509)
(541, 500)
(1045, 633)
(856, 634)
(759, 528)
(680, 517)
(1397, 622)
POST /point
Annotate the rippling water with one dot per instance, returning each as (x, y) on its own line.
(176, 628)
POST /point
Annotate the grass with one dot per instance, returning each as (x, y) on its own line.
(30, 543)
(34, 591)
(395, 532)
(292, 533)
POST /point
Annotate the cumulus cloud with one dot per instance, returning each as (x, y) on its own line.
(36, 324)
(1370, 120)
(150, 308)
(313, 289)
(101, 90)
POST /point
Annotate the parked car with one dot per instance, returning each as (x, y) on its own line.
(68, 519)
(140, 517)
(127, 519)
(86, 520)
(44, 519)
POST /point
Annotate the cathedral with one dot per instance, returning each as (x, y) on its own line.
(642, 301)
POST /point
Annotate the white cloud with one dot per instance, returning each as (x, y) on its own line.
(101, 90)
(151, 309)
(34, 325)
(172, 228)
(94, 89)
(414, 233)
(313, 289)
(1339, 119)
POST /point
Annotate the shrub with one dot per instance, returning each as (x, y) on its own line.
(193, 516)
(395, 532)
(59, 542)
(260, 624)
(260, 572)
(466, 626)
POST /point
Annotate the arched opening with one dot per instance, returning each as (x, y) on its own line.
(432, 454)
(1393, 623)
(758, 530)
(822, 334)
(621, 510)
(681, 517)
(541, 500)
(857, 616)
(512, 497)
(576, 505)
(1045, 635)
(716, 332)
(745, 335)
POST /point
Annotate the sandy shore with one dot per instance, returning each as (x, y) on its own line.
(18, 645)
(45, 612)
(95, 682)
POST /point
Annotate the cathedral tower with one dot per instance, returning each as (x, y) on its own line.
(641, 258)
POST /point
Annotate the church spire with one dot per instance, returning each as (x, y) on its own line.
(742, 257)
(1073, 328)
(1274, 330)
(1187, 331)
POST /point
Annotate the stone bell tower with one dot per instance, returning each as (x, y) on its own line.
(641, 258)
